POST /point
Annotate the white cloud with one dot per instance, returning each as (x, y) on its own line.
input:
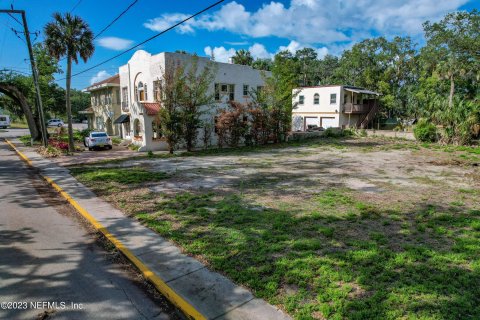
(259, 51)
(167, 20)
(237, 43)
(323, 22)
(101, 75)
(114, 43)
(220, 53)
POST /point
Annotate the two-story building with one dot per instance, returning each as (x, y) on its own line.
(104, 105)
(141, 82)
(336, 106)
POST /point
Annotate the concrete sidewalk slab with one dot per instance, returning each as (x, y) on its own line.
(209, 293)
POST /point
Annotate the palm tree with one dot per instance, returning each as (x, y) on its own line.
(243, 56)
(69, 36)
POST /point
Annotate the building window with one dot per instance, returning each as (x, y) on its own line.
(140, 92)
(316, 98)
(145, 92)
(245, 90)
(157, 91)
(301, 99)
(100, 123)
(224, 89)
(125, 95)
(137, 130)
(333, 98)
(156, 130)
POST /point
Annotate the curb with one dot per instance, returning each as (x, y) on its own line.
(161, 286)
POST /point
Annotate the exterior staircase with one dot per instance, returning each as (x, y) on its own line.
(364, 121)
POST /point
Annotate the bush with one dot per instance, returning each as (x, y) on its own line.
(62, 145)
(116, 140)
(81, 135)
(133, 147)
(425, 131)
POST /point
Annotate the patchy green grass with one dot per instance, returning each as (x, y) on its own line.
(346, 259)
(334, 254)
(118, 175)
(420, 267)
(19, 125)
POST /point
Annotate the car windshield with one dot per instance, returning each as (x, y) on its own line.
(99, 134)
(3, 119)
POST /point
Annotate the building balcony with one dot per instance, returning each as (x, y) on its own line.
(356, 108)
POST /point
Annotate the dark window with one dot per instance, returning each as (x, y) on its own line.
(316, 98)
(301, 99)
(217, 92)
(125, 95)
(333, 98)
(245, 89)
(222, 89)
(156, 130)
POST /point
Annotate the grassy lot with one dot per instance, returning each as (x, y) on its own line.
(325, 229)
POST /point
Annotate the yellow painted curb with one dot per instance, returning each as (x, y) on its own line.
(168, 292)
(24, 157)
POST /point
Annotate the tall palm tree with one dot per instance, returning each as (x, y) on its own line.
(243, 56)
(69, 36)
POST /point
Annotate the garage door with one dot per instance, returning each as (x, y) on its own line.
(328, 122)
(311, 121)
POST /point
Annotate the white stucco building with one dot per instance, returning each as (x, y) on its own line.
(332, 106)
(140, 81)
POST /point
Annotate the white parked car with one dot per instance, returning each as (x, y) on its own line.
(55, 123)
(98, 140)
(4, 121)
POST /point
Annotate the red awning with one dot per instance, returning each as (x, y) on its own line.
(151, 108)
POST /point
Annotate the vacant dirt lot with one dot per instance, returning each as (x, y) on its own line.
(329, 228)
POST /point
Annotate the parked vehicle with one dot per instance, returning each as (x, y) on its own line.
(98, 140)
(55, 123)
(4, 121)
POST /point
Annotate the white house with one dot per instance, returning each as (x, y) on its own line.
(140, 83)
(333, 106)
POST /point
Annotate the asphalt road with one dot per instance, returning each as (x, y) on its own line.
(48, 255)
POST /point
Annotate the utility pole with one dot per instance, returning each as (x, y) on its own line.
(43, 128)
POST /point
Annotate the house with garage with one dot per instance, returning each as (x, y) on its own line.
(140, 94)
(336, 106)
(104, 105)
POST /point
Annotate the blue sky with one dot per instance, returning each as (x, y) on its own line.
(263, 27)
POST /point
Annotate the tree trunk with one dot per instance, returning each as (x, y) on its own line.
(14, 93)
(71, 145)
(452, 92)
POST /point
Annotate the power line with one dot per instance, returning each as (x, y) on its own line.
(147, 40)
(110, 24)
(16, 71)
(76, 5)
(13, 17)
(118, 17)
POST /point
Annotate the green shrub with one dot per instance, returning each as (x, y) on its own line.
(116, 140)
(26, 140)
(81, 135)
(133, 147)
(425, 131)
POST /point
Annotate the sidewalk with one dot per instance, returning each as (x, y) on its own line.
(203, 294)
